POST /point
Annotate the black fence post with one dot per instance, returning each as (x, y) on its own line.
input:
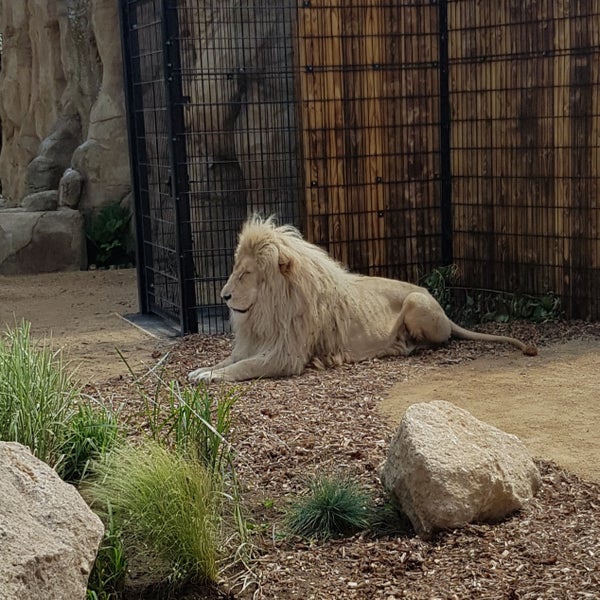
(445, 159)
(179, 172)
(129, 47)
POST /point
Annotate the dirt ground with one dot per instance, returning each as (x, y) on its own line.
(82, 313)
(552, 402)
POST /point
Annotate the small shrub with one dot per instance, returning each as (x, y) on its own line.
(439, 283)
(90, 433)
(194, 422)
(41, 407)
(471, 306)
(334, 507)
(109, 237)
(166, 508)
(387, 520)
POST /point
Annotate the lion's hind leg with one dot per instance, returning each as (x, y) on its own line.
(424, 320)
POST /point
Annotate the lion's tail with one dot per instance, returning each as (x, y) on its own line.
(466, 334)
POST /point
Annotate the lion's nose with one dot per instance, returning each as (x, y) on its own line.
(226, 297)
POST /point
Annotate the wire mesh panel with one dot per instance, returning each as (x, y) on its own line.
(369, 108)
(237, 74)
(157, 178)
(397, 135)
(526, 147)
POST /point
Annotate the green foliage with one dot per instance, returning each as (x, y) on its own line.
(166, 507)
(387, 520)
(439, 283)
(107, 578)
(334, 506)
(481, 306)
(109, 238)
(91, 433)
(174, 498)
(194, 422)
(41, 406)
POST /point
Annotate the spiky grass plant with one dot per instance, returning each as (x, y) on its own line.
(335, 506)
(189, 419)
(166, 507)
(42, 407)
(38, 396)
(107, 578)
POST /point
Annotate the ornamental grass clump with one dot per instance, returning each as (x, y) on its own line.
(166, 507)
(335, 506)
(42, 407)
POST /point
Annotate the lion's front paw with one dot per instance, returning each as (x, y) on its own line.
(203, 374)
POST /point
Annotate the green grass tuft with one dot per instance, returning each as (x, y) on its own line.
(107, 578)
(91, 432)
(334, 507)
(166, 507)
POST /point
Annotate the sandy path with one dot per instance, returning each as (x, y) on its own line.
(552, 401)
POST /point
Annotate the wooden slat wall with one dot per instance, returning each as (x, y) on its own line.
(525, 140)
(368, 129)
(525, 147)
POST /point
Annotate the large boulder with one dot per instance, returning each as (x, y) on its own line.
(445, 468)
(39, 242)
(49, 536)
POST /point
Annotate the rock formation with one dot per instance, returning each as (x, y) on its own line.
(62, 113)
(62, 99)
(445, 469)
(49, 535)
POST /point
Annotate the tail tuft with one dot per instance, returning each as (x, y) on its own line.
(530, 351)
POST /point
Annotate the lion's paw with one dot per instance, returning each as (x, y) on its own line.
(203, 374)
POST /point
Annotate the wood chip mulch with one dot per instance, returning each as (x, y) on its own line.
(286, 430)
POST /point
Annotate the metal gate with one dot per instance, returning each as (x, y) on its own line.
(211, 108)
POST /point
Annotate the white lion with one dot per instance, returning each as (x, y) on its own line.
(292, 305)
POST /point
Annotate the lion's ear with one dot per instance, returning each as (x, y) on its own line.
(285, 262)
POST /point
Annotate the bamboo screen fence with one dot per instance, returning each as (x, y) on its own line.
(369, 120)
(525, 98)
(457, 120)
(399, 135)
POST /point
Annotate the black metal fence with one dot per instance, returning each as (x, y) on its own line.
(212, 121)
(399, 135)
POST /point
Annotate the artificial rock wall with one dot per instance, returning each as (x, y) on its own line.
(62, 110)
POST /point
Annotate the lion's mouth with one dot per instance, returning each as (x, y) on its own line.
(241, 311)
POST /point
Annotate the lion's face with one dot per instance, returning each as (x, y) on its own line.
(241, 290)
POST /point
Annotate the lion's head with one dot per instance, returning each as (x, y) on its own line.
(260, 267)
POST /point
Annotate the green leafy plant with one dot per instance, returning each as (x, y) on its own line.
(166, 508)
(439, 283)
(38, 396)
(107, 578)
(472, 306)
(387, 520)
(42, 407)
(334, 506)
(109, 237)
(90, 433)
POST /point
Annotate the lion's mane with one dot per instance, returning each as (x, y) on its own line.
(305, 303)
